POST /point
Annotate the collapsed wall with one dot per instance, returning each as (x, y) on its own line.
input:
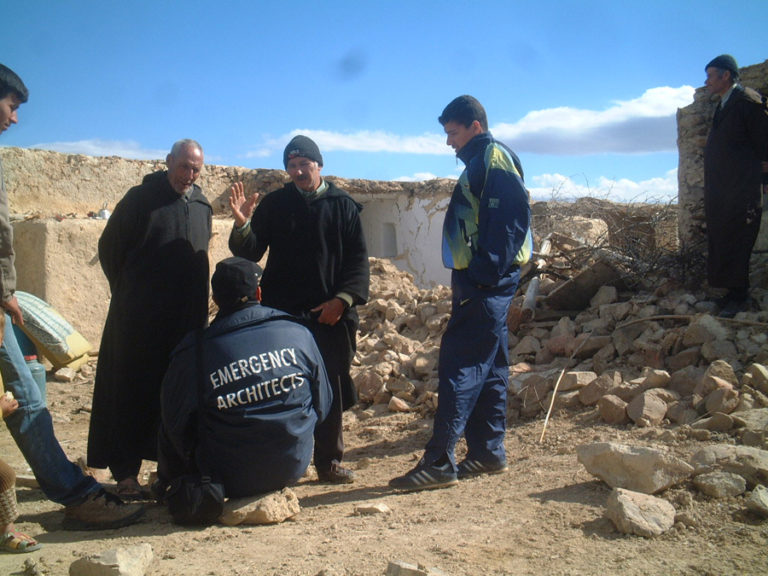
(53, 198)
(693, 123)
(47, 184)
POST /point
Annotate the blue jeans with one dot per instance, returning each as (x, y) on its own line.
(473, 368)
(31, 426)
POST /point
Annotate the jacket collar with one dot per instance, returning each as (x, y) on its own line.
(474, 147)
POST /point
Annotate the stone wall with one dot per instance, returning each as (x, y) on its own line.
(58, 262)
(44, 183)
(51, 196)
(693, 123)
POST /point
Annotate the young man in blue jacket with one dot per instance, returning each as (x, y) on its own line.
(263, 386)
(486, 236)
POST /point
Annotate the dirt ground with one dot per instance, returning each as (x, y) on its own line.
(545, 516)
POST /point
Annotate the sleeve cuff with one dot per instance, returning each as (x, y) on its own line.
(346, 298)
(243, 230)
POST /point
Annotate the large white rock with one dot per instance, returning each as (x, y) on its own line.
(267, 509)
(640, 469)
(640, 514)
(124, 561)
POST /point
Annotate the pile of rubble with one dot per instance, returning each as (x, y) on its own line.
(648, 358)
(653, 357)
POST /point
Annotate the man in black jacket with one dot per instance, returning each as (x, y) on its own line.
(257, 380)
(317, 269)
(154, 253)
(735, 147)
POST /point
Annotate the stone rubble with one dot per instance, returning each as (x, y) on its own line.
(655, 358)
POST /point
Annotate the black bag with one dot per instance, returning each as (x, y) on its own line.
(195, 499)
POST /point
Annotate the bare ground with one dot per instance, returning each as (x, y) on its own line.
(545, 516)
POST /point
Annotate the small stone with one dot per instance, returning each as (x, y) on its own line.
(720, 484)
(64, 374)
(647, 409)
(704, 329)
(718, 422)
(655, 378)
(719, 349)
(398, 405)
(757, 501)
(370, 509)
(527, 345)
(605, 295)
(722, 369)
(399, 568)
(640, 514)
(722, 400)
(599, 387)
(575, 380)
(612, 409)
(758, 376)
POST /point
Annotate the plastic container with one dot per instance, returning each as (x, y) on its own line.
(26, 345)
(38, 373)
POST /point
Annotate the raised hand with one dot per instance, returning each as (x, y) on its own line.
(241, 207)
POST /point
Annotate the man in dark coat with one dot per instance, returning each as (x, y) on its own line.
(263, 388)
(317, 269)
(154, 253)
(732, 180)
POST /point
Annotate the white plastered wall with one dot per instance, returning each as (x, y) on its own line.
(407, 229)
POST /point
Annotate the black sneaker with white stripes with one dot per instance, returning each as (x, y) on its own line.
(469, 468)
(425, 477)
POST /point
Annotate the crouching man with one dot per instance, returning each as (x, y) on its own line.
(257, 380)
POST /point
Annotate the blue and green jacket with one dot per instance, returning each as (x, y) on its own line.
(487, 225)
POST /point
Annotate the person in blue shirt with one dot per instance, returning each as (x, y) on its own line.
(486, 237)
(257, 379)
(88, 506)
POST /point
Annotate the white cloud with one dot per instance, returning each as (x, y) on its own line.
(422, 176)
(644, 124)
(559, 187)
(641, 125)
(260, 153)
(96, 147)
(361, 141)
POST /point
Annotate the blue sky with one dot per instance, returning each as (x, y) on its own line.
(584, 91)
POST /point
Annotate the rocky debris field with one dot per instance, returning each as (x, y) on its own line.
(636, 441)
